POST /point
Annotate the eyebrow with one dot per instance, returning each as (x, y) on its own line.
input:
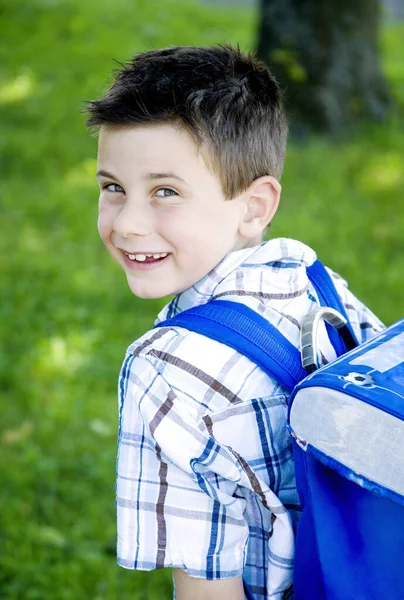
(153, 176)
(102, 173)
(163, 176)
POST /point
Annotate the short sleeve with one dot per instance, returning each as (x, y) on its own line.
(364, 323)
(177, 504)
(369, 324)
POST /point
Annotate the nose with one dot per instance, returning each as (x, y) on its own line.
(134, 219)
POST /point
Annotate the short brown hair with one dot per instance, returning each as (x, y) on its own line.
(228, 101)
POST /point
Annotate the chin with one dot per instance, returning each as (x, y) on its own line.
(148, 293)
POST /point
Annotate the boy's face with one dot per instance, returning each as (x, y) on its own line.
(162, 213)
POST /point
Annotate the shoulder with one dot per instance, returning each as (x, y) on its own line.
(205, 375)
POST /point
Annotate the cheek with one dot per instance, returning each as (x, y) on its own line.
(104, 224)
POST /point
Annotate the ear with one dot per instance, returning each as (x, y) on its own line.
(262, 200)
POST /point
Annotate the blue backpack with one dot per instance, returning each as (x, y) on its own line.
(347, 426)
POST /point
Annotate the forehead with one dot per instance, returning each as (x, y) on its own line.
(142, 148)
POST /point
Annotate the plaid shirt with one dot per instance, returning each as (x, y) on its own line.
(205, 478)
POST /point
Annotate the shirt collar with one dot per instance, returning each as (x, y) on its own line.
(271, 251)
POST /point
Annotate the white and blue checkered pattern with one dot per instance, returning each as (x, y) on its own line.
(205, 478)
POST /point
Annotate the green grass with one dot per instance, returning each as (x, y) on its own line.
(66, 314)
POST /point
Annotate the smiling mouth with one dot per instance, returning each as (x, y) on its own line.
(146, 258)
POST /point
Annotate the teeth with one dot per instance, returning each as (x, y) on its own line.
(142, 257)
(139, 257)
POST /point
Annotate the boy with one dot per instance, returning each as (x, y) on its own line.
(191, 149)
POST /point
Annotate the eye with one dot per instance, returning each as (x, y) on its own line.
(113, 187)
(165, 193)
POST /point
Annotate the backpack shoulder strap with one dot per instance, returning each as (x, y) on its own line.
(241, 328)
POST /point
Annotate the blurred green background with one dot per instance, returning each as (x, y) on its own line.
(66, 313)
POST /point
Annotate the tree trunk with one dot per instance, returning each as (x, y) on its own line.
(325, 55)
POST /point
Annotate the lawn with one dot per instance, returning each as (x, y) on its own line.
(66, 314)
